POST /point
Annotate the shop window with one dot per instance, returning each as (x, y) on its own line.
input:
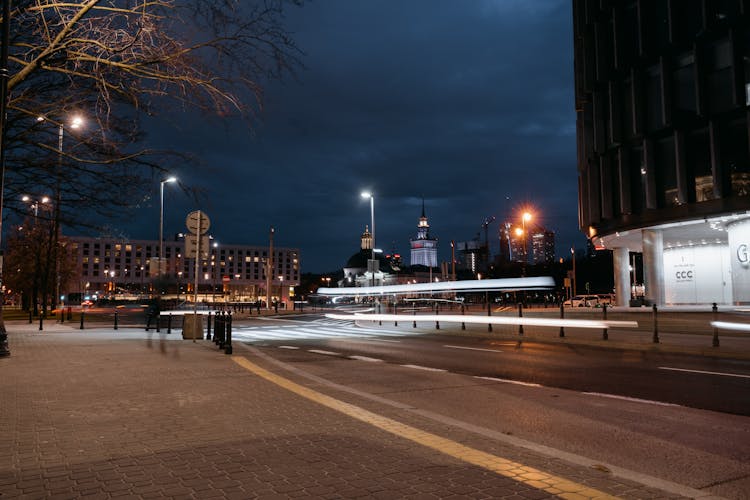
(653, 101)
(683, 83)
(698, 162)
(733, 149)
(637, 170)
(664, 158)
(720, 11)
(628, 126)
(627, 34)
(656, 24)
(688, 20)
(719, 77)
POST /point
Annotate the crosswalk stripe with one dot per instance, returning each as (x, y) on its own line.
(321, 329)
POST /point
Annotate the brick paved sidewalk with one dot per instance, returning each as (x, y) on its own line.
(104, 414)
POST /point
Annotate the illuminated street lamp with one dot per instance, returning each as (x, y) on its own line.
(366, 194)
(161, 221)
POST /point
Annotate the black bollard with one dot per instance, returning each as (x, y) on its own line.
(169, 324)
(489, 313)
(208, 326)
(41, 320)
(463, 323)
(520, 315)
(437, 312)
(228, 346)
(395, 313)
(415, 318)
(223, 330)
(158, 321)
(82, 314)
(115, 320)
(656, 326)
(605, 334)
(562, 316)
(715, 314)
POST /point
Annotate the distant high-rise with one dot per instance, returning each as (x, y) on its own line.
(662, 90)
(423, 247)
(542, 246)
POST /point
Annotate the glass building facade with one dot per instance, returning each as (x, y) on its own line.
(662, 90)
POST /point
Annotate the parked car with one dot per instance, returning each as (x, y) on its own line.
(583, 301)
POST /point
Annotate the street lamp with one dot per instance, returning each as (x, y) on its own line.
(214, 270)
(366, 194)
(161, 221)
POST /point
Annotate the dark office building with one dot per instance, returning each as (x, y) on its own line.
(662, 91)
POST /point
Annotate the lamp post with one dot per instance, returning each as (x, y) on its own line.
(161, 221)
(524, 218)
(215, 246)
(366, 194)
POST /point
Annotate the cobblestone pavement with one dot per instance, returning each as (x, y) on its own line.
(105, 414)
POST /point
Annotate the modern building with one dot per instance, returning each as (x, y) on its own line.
(662, 90)
(424, 247)
(468, 255)
(225, 272)
(542, 246)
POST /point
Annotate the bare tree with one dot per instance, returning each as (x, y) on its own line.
(118, 62)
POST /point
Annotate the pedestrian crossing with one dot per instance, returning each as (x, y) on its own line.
(319, 329)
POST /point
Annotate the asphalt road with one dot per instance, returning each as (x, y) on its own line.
(694, 381)
(634, 410)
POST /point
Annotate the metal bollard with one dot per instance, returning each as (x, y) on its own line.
(228, 347)
(395, 313)
(656, 326)
(463, 323)
(223, 330)
(82, 314)
(715, 314)
(562, 316)
(437, 312)
(520, 315)
(41, 320)
(489, 313)
(208, 326)
(158, 321)
(605, 333)
(115, 320)
(169, 323)
(415, 318)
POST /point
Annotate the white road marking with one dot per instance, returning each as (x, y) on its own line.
(288, 347)
(372, 340)
(427, 368)
(704, 372)
(471, 348)
(509, 381)
(327, 353)
(625, 398)
(365, 358)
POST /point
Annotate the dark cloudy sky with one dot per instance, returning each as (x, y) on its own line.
(467, 103)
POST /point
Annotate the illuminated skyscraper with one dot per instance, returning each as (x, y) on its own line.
(423, 247)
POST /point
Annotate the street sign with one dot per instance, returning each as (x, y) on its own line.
(196, 221)
(191, 242)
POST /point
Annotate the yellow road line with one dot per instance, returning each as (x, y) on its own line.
(530, 476)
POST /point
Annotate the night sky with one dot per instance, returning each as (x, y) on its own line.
(467, 104)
